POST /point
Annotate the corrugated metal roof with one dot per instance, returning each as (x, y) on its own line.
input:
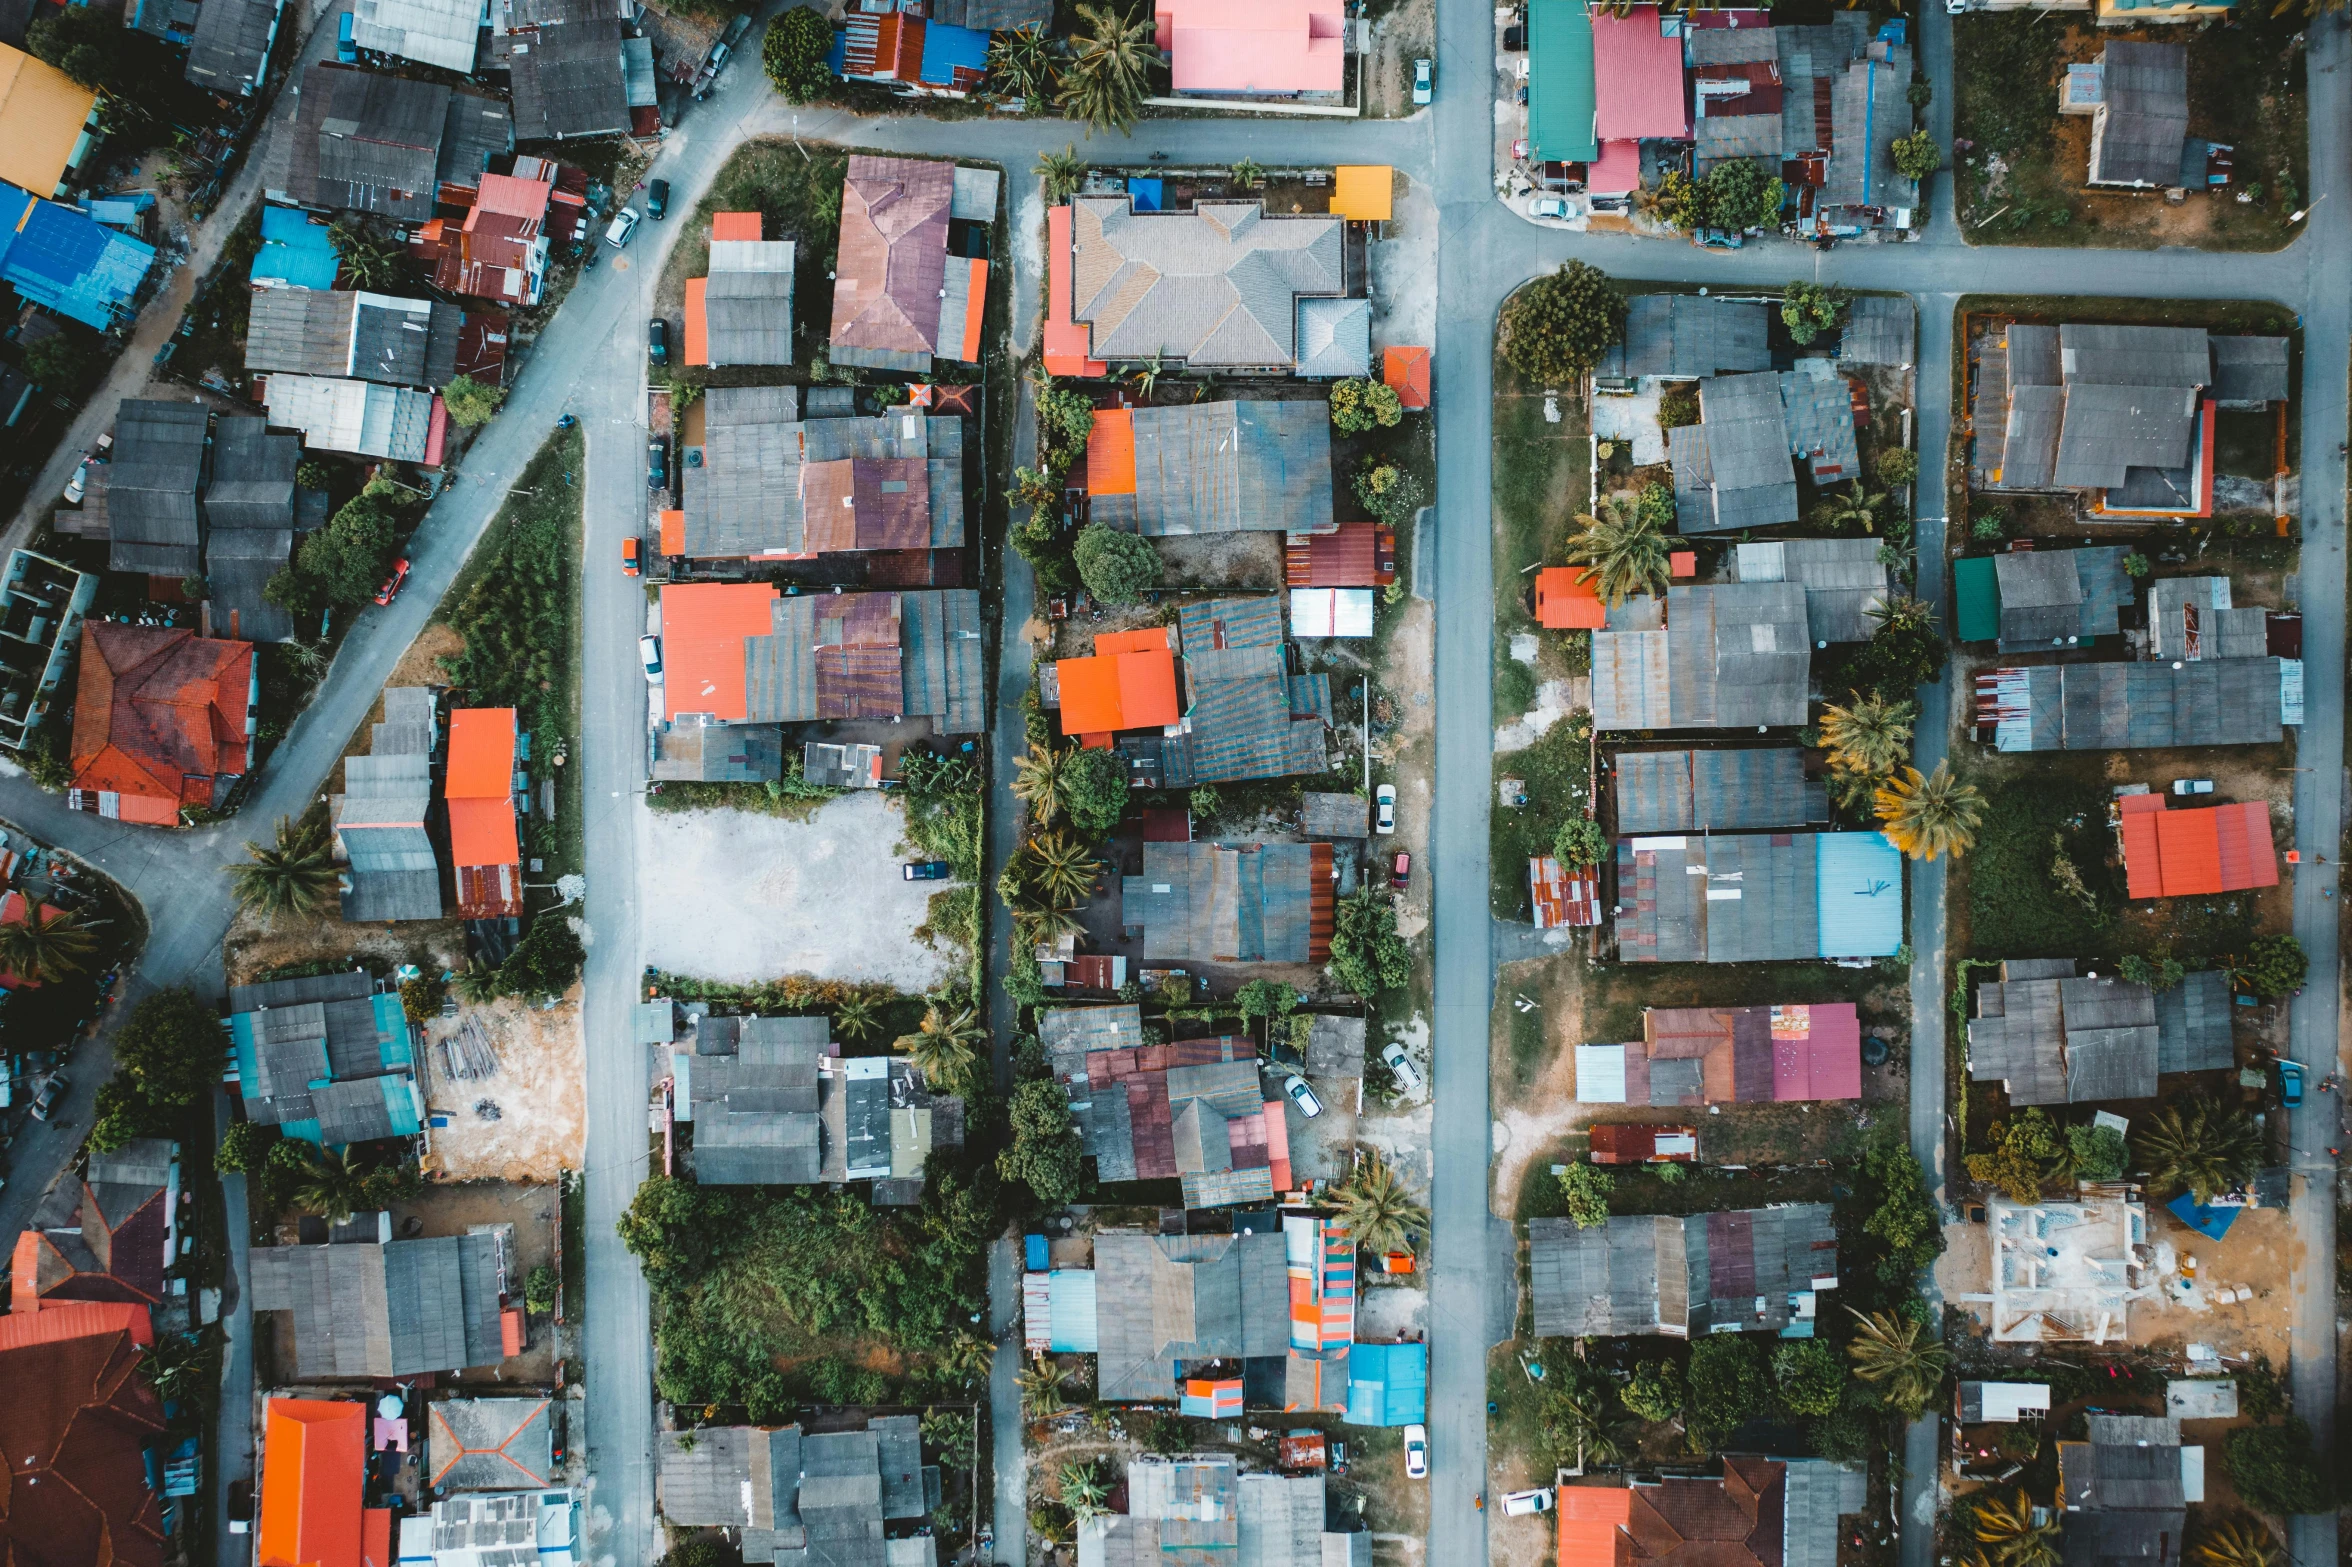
(1232, 466)
(1718, 791)
(2143, 119)
(1686, 335)
(231, 44)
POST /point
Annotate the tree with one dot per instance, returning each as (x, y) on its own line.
(1041, 1389)
(1905, 1218)
(2275, 1471)
(1021, 64)
(1096, 790)
(1655, 1393)
(1249, 174)
(547, 960)
(170, 1049)
(1895, 1353)
(1367, 954)
(1557, 327)
(540, 1286)
(341, 564)
(1916, 156)
(243, 1147)
(1041, 780)
(471, 402)
(2158, 971)
(1932, 815)
(702, 1550)
(944, 1046)
(476, 984)
(1044, 1156)
(1897, 466)
(1083, 1490)
(63, 361)
(2096, 1153)
(964, 1358)
(1586, 1188)
(1727, 1386)
(2201, 1147)
(1578, 1420)
(1057, 869)
(1810, 309)
(1388, 492)
(1117, 568)
(1062, 172)
(1738, 195)
(2273, 966)
(854, 1016)
(43, 943)
(2011, 1537)
(2024, 1148)
(1109, 68)
(1623, 551)
(1266, 999)
(291, 878)
(794, 51)
(1807, 1373)
(368, 260)
(1374, 1207)
(333, 1185)
(2239, 1543)
(1851, 510)
(1906, 650)
(1358, 405)
(2136, 566)
(1871, 735)
(1676, 200)
(1580, 842)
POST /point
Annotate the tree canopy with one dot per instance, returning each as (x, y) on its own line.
(1044, 1156)
(1094, 789)
(1359, 405)
(794, 51)
(1558, 326)
(1117, 568)
(471, 402)
(1810, 309)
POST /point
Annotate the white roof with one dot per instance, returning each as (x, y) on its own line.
(351, 416)
(2009, 1400)
(2201, 1398)
(437, 32)
(751, 255)
(1600, 1074)
(1330, 612)
(2192, 1474)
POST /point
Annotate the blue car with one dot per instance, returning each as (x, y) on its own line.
(346, 50)
(2290, 1076)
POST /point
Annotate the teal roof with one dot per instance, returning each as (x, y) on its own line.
(1560, 82)
(1388, 1384)
(1976, 599)
(1858, 885)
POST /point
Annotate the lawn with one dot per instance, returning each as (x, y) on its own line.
(1557, 770)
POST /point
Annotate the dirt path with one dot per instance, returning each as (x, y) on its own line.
(1522, 1133)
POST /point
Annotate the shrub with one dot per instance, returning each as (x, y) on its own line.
(1655, 1393)
(1916, 156)
(1117, 568)
(1094, 791)
(470, 402)
(1045, 1155)
(539, 1290)
(2023, 1149)
(1586, 1188)
(1809, 1375)
(1558, 326)
(1367, 954)
(1905, 1219)
(1388, 492)
(2275, 1471)
(2136, 567)
(1810, 309)
(546, 961)
(2099, 1153)
(2274, 966)
(1580, 843)
(243, 1148)
(1897, 466)
(1359, 405)
(420, 998)
(1727, 1386)
(793, 53)
(1678, 405)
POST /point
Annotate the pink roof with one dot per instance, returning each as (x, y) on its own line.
(1267, 46)
(514, 198)
(1637, 78)
(1618, 173)
(1816, 1052)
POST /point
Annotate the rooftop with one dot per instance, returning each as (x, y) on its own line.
(2065, 1271)
(1214, 286)
(1754, 1270)
(1251, 48)
(892, 262)
(160, 717)
(1232, 902)
(1752, 898)
(391, 1309)
(1716, 791)
(1212, 468)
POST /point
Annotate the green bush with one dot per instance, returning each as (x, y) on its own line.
(1586, 1188)
(471, 403)
(1655, 1393)
(1095, 791)
(1360, 405)
(1580, 843)
(539, 1290)
(546, 961)
(1044, 1155)
(2099, 1153)
(343, 564)
(1727, 1386)
(243, 1148)
(1367, 954)
(1117, 568)
(516, 618)
(1808, 1374)
(1557, 327)
(1905, 1220)
(1897, 466)
(1678, 405)
(2275, 1471)
(2274, 966)
(793, 53)
(1810, 309)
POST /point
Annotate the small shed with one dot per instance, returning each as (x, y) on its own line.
(1335, 1046)
(2201, 1398)
(1363, 192)
(1334, 816)
(2005, 1402)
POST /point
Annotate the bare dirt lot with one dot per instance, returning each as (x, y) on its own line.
(1241, 561)
(745, 898)
(526, 1120)
(253, 948)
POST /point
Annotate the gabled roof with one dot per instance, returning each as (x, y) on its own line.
(2208, 849)
(384, 144)
(1212, 468)
(1752, 898)
(359, 417)
(373, 337)
(151, 486)
(44, 110)
(1232, 902)
(1665, 1274)
(2143, 118)
(160, 713)
(77, 1416)
(1844, 580)
(393, 1309)
(1214, 286)
(231, 45)
(1716, 791)
(1560, 86)
(2098, 707)
(434, 32)
(1732, 470)
(1637, 78)
(313, 1458)
(749, 1089)
(1274, 49)
(479, 787)
(569, 82)
(1120, 687)
(1160, 1300)
(61, 259)
(891, 263)
(1732, 656)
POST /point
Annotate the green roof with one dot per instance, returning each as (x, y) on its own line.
(1976, 599)
(1560, 82)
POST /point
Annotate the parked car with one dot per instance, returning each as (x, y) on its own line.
(1401, 872)
(51, 1091)
(623, 225)
(394, 583)
(1401, 1067)
(346, 47)
(79, 483)
(649, 654)
(1515, 38)
(657, 464)
(1520, 1503)
(1301, 1095)
(657, 200)
(1384, 800)
(657, 341)
(926, 870)
(1424, 81)
(630, 548)
(2290, 1076)
(1417, 1452)
(2192, 786)
(1548, 207)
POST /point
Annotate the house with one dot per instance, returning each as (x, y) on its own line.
(1066, 341)
(2123, 415)
(151, 488)
(485, 1531)
(368, 1307)
(313, 1477)
(1568, 599)
(229, 52)
(2050, 1036)
(2002, 1403)
(51, 120)
(2028, 600)
(2106, 707)
(489, 1444)
(1761, 1512)
(1388, 1384)
(798, 1495)
(1614, 1142)
(1221, 286)
(1351, 555)
(2124, 1492)
(1195, 1110)
(110, 1233)
(367, 337)
(567, 66)
(1235, 467)
(2137, 97)
(1201, 1507)
(766, 485)
(1845, 581)
(1320, 613)
(77, 1431)
(1758, 899)
(249, 535)
(916, 56)
(1562, 899)
(1638, 95)
(1684, 337)
(2251, 373)
(325, 1058)
(1247, 715)
(42, 602)
(1818, 405)
(1727, 656)
(1281, 1302)
(1232, 902)
(1294, 49)
(1754, 1270)
(899, 301)
(1560, 94)
(1879, 330)
(445, 33)
(2192, 618)
(881, 1123)
(62, 260)
(479, 785)
(1733, 469)
(359, 417)
(741, 314)
(297, 251)
(1729, 1055)
(1406, 372)
(163, 719)
(500, 250)
(1128, 682)
(1715, 791)
(2205, 849)
(383, 144)
(2066, 1272)
(392, 871)
(1870, 110)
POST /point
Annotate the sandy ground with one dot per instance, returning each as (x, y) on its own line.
(253, 948)
(538, 1094)
(1402, 36)
(746, 898)
(1242, 561)
(1528, 1122)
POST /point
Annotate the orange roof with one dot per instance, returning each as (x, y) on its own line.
(1563, 602)
(503, 195)
(480, 787)
(1682, 563)
(1068, 344)
(735, 225)
(1151, 639)
(1123, 690)
(697, 321)
(1592, 1525)
(1110, 455)
(1406, 370)
(1363, 192)
(703, 627)
(53, 1322)
(673, 533)
(974, 313)
(2219, 848)
(313, 1459)
(159, 714)
(375, 1537)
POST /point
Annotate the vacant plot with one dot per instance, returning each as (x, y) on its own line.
(527, 1118)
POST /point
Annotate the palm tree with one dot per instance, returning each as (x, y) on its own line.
(1903, 616)
(476, 984)
(1375, 1207)
(370, 262)
(46, 943)
(1931, 815)
(1041, 925)
(1855, 510)
(1059, 868)
(294, 878)
(2013, 1539)
(1022, 62)
(1622, 551)
(1578, 1422)
(1083, 1490)
(943, 1046)
(1062, 173)
(1041, 777)
(2239, 1543)
(1146, 376)
(333, 1185)
(1249, 174)
(966, 1357)
(1896, 1351)
(2204, 1149)
(1110, 66)
(178, 1369)
(1872, 736)
(854, 1016)
(1041, 1389)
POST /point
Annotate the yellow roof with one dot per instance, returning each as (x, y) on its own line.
(1361, 192)
(41, 116)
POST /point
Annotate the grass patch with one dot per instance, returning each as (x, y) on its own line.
(1541, 480)
(573, 1189)
(1557, 770)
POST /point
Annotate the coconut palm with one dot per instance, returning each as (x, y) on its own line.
(294, 877)
(944, 1045)
(1931, 815)
(1146, 377)
(1110, 66)
(855, 1016)
(369, 262)
(1853, 510)
(1578, 1424)
(1021, 62)
(1870, 736)
(1249, 174)
(1058, 868)
(2207, 1150)
(1622, 551)
(1041, 779)
(1042, 925)
(476, 984)
(1083, 1490)
(178, 1369)
(965, 1357)
(1041, 1389)
(1897, 1353)
(1062, 172)
(1375, 1208)
(2010, 1535)
(43, 943)
(2239, 1543)
(333, 1185)
(1903, 616)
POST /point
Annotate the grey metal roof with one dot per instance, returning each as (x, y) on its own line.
(698, 747)
(1217, 285)
(2149, 1538)
(1843, 579)
(2130, 1464)
(992, 16)
(728, 405)
(1721, 138)
(2109, 429)
(368, 142)
(2193, 1024)
(1083, 1028)
(380, 822)
(405, 342)
(1880, 330)
(1732, 470)
(1870, 110)
(1161, 1299)
(1815, 1494)
(478, 128)
(2030, 436)
(2109, 1029)
(1232, 466)
(2143, 116)
(940, 648)
(749, 317)
(252, 481)
(1732, 45)
(1249, 716)
(307, 331)
(1662, 1273)
(1629, 681)
(1738, 655)
(744, 499)
(1807, 57)
(2194, 618)
(435, 32)
(975, 197)
(754, 1108)
(230, 48)
(568, 82)
(1716, 791)
(2109, 355)
(2098, 707)
(2250, 369)
(2049, 597)
(152, 485)
(1334, 336)
(396, 1309)
(489, 1444)
(408, 722)
(1222, 902)
(1687, 335)
(1818, 407)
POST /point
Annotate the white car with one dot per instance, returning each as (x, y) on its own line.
(75, 486)
(2179, 785)
(624, 224)
(1548, 207)
(1385, 798)
(1416, 1452)
(1400, 1066)
(649, 653)
(1424, 82)
(1301, 1095)
(1520, 1503)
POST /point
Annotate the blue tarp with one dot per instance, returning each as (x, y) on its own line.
(1388, 1384)
(1859, 890)
(2212, 1223)
(946, 47)
(294, 251)
(59, 259)
(1147, 192)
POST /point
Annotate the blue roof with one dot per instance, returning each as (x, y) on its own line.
(400, 1099)
(294, 251)
(946, 46)
(58, 258)
(1148, 193)
(1070, 1298)
(1858, 882)
(1388, 1384)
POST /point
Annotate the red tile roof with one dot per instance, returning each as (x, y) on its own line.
(73, 1424)
(2219, 848)
(1406, 370)
(313, 1462)
(1592, 1526)
(159, 714)
(703, 628)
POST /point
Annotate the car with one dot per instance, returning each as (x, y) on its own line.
(1424, 81)
(657, 200)
(657, 341)
(1301, 1095)
(1401, 872)
(1384, 799)
(346, 47)
(1400, 1066)
(927, 870)
(1417, 1452)
(649, 654)
(657, 464)
(1548, 207)
(75, 486)
(2290, 1076)
(1515, 38)
(735, 31)
(631, 548)
(623, 225)
(394, 583)
(51, 1091)
(1520, 1503)
(2192, 786)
